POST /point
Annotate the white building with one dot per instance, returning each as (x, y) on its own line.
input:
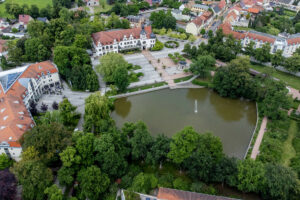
(179, 16)
(92, 2)
(118, 40)
(19, 87)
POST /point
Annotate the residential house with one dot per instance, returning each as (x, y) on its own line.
(135, 21)
(24, 20)
(179, 16)
(18, 87)
(117, 40)
(42, 19)
(197, 8)
(173, 194)
(195, 26)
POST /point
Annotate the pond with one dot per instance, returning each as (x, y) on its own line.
(169, 111)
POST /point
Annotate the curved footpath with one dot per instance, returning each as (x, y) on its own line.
(262, 130)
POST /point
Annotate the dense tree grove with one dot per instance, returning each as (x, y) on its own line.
(161, 19)
(235, 81)
(8, 185)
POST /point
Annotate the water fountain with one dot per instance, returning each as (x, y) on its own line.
(196, 107)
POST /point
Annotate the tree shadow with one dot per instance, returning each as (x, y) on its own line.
(122, 107)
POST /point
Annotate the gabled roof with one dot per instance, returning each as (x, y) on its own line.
(253, 10)
(173, 194)
(222, 4)
(202, 19)
(25, 18)
(108, 37)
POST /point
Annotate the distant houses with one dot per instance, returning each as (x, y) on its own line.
(195, 26)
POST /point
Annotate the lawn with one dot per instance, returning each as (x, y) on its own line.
(39, 3)
(103, 7)
(289, 79)
(241, 28)
(288, 149)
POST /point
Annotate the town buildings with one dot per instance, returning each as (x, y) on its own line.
(24, 20)
(195, 26)
(125, 39)
(236, 17)
(18, 87)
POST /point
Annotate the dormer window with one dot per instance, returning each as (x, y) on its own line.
(4, 118)
(2, 127)
(21, 113)
(16, 102)
(20, 125)
(2, 110)
(40, 67)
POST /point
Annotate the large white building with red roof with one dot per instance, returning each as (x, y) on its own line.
(115, 41)
(18, 87)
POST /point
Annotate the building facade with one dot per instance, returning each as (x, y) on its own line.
(195, 26)
(118, 40)
(18, 88)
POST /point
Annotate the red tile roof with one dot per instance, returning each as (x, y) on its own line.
(172, 194)
(253, 10)
(107, 37)
(227, 30)
(14, 117)
(260, 37)
(14, 144)
(292, 41)
(25, 18)
(202, 19)
(222, 4)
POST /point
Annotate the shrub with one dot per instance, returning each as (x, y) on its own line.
(166, 180)
(181, 184)
(158, 46)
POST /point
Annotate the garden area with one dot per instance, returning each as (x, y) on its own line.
(276, 22)
(103, 7)
(176, 57)
(173, 34)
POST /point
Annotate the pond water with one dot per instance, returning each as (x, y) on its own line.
(169, 111)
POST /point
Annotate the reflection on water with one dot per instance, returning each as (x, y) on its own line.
(123, 110)
(169, 111)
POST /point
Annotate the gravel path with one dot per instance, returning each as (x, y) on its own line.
(259, 138)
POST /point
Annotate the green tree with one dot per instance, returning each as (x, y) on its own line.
(161, 19)
(143, 183)
(85, 148)
(159, 150)
(67, 113)
(65, 175)
(277, 59)
(65, 14)
(5, 161)
(92, 183)
(140, 142)
(157, 46)
(54, 193)
(81, 41)
(181, 184)
(97, 113)
(249, 49)
(110, 63)
(234, 80)
(183, 144)
(280, 183)
(263, 54)
(48, 139)
(34, 177)
(34, 11)
(186, 11)
(202, 65)
(250, 176)
(292, 63)
(202, 32)
(35, 50)
(111, 153)
(35, 28)
(121, 78)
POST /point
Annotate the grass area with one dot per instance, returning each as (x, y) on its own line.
(39, 3)
(103, 7)
(206, 82)
(241, 28)
(288, 79)
(183, 79)
(290, 13)
(288, 149)
(146, 87)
